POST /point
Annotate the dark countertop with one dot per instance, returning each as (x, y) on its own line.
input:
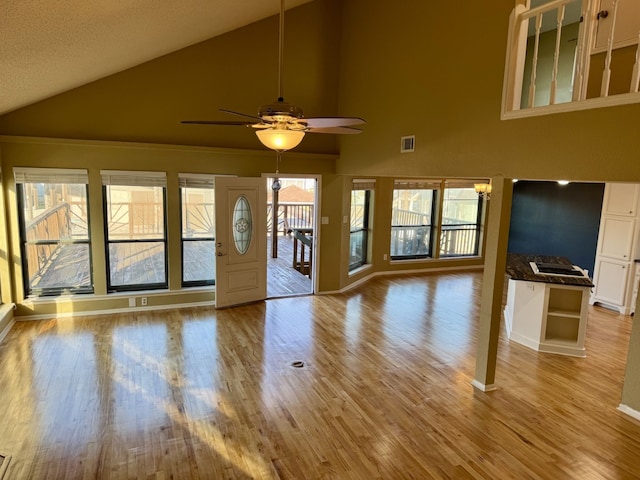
(518, 268)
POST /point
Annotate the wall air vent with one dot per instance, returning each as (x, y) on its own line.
(407, 144)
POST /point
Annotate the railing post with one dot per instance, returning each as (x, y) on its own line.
(635, 77)
(606, 74)
(534, 63)
(556, 56)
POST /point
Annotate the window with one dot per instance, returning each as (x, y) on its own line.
(135, 231)
(54, 230)
(435, 219)
(412, 219)
(359, 227)
(198, 229)
(461, 221)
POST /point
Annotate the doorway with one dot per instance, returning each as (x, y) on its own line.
(291, 235)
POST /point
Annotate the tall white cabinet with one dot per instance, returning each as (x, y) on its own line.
(618, 246)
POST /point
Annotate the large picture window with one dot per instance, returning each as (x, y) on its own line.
(461, 221)
(54, 230)
(435, 219)
(198, 229)
(135, 230)
(413, 219)
(361, 193)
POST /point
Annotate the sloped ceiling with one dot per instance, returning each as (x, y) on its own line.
(49, 47)
(237, 70)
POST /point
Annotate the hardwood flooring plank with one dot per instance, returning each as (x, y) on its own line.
(384, 393)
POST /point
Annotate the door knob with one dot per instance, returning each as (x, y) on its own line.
(602, 14)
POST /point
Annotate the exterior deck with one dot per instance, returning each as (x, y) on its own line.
(70, 265)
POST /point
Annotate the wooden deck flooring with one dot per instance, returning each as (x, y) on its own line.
(384, 393)
(143, 263)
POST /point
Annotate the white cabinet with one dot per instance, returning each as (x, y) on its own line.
(546, 317)
(627, 24)
(620, 199)
(618, 246)
(610, 281)
(616, 237)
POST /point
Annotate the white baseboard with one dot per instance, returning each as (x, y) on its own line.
(627, 410)
(116, 310)
(6, 319)
(484, 388)
(366, 278)
(6, 329)
(507, 322)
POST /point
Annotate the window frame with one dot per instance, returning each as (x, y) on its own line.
(52, 176)
(368, 186)
(477, 229)
(433, 227)
(202, 181)
(137, 179)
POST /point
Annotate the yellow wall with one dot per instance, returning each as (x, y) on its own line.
(432, 69)
(96, 156)
(236, 71)
(435, 70)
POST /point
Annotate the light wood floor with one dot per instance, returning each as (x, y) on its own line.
(384, 394)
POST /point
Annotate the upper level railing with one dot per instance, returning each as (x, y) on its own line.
(565, 55)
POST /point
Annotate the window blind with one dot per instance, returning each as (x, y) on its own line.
(50, 175)
(417, 184)
(138, 179)
(196, 180)
(464, 182)
(363, 184)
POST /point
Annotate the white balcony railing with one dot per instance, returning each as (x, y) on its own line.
(565, 55)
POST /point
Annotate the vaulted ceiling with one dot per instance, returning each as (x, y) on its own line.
(49, 47)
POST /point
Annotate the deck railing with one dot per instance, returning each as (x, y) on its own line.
(291, 215)
(135, 220)
(459, 240)
(42, 235)
(570, 55)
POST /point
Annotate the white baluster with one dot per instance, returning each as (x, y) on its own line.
(582, 52)
(556, 56)
(534, 64)
(606, 74)
(635, 77)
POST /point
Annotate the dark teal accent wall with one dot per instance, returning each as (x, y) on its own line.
(551, 219)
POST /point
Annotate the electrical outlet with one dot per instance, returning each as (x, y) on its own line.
(143, 301)
(384, 257)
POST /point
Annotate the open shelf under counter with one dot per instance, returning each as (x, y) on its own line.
(544, 312)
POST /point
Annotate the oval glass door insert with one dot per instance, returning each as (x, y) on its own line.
(242, 225)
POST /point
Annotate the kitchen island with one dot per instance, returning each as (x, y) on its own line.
(547, 311)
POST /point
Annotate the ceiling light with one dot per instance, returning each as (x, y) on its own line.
(563, 182)
(483, 189)
(280, 139)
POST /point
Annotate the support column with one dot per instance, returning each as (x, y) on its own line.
(630, 403)
(495, 259)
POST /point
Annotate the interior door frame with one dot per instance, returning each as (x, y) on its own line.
(316, 220)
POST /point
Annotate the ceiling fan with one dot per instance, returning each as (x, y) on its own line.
(281, 126)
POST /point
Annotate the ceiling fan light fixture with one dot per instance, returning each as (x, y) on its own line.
(280, 139)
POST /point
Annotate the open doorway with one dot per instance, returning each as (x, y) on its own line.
(291, 224)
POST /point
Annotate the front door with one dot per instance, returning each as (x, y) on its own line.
(241, 250)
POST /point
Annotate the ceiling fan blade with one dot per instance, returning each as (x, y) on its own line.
(216, 122)
(328, 122)
(231, 112)
(340, 130)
